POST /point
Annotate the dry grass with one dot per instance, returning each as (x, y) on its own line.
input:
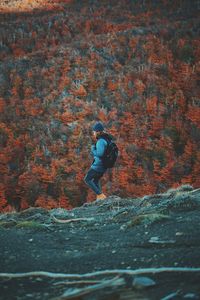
(28, 5)
(21, 224)
(147, 219)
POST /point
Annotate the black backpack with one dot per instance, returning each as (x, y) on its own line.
(111, 153)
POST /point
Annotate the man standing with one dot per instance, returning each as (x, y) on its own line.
(97, 168)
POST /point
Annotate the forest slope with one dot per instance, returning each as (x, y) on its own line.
(134, 65)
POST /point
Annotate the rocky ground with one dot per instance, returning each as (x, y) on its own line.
(142, 248)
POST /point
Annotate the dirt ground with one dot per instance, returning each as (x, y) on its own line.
(157, 231)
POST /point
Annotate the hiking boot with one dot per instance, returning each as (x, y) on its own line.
(101, 197)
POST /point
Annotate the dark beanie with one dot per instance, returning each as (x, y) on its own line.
(98, 127)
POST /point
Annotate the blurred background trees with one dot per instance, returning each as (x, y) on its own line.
(132, 65)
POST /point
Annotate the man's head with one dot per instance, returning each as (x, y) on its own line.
(98, 128)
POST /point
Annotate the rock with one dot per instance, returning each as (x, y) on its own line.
(179, 233)
(170, 296)
(143, 282)
(155, 239)
(33, 210)
(30, 295)
(182, 188)
(191, 296)
(148, 219)
(61, 212)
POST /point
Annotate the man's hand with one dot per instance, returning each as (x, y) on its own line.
(93, 147)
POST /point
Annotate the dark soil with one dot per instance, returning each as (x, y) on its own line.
(125, 234)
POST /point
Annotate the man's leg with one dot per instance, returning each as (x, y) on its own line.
(92, 180)
(97, 182)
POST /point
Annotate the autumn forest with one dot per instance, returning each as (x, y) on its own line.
(134, 65)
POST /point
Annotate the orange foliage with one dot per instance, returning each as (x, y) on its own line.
(139, 85)
(193, 114)
(184, 70)
(93, 85)
(80, 91)
(133, 42)
(112, 86)
(33, 107)
(18, 52)
(152, 105)
(156, 126)
(155, 59)
(140, 172)
(66, 117)
(123, 179)
(102, 115)
(3, 201)
(28, 92)
(2, 105)
(157, 168)
(66, 72)
(87, 25)
(46, 202)
(112, 114)
(24, 204)
(63, 202)
(181, 43)
(43, 174)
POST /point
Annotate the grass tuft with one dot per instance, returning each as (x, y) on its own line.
(148, 219)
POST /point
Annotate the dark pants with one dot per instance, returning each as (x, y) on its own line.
(92, 180)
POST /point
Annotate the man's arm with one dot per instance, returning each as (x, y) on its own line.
(100, 148)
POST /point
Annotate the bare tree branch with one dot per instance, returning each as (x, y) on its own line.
(77, 292)
(77, 282)
(71, 220)
(100, 273)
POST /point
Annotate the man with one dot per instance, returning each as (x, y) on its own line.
(97, 169)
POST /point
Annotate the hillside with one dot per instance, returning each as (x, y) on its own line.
(12, 6)
(115, 249)
(134, 65)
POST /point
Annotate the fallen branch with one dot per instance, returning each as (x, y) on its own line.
(77, 282)
(71, 220)
(194, 191)
(99, 273)
(70, 294)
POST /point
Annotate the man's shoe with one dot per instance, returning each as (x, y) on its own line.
(101, 197)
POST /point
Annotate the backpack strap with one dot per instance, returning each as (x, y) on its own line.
(106, 137)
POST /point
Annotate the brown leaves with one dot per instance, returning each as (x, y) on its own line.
(89, 67)
(33, 107)
(80, 91)
(152, 105)
(2, 104)
(112, 85)
(193, 114)
(67, 117)
(43, 174)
